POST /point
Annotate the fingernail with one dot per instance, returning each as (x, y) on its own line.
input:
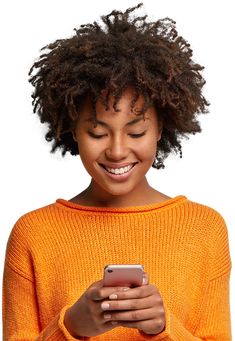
(114, 322)
(113, 297)
(107, 316)
(105, 306)
(125, 289)
(144, 280)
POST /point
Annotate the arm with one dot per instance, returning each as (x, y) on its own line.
(214, 316)
(20, 312)
(20, 306)
(214, 323)
(23, 314)
(133, 309)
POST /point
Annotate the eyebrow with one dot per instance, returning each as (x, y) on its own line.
(106, 125)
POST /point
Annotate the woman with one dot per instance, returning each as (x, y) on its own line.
(121, 96)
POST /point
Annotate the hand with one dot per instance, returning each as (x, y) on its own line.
(140, 307)
(85, 317)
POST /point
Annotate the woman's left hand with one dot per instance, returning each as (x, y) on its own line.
(140, 307)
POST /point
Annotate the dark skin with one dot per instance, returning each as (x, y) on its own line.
(85, 200)
(172, 80)
(141, 307)
(117, 145)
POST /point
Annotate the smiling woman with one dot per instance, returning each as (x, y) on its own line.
(103, 61)
(120, 96)
(117, 139)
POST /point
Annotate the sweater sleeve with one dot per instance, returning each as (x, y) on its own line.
(19, 300)
(214, 315)
(215, 319)
(20, 312)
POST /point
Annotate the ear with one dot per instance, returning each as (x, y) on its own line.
(74, 135)
(160, 129)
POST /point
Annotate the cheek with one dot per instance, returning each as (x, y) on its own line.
(88, 149)
(147, 148)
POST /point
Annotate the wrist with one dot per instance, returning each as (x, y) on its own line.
(69, 326)
(67, 322)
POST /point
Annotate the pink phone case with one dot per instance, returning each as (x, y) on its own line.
(128, 275)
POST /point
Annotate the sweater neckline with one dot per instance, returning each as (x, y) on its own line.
(129, 209)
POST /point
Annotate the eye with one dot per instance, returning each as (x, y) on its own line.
(135, 136)
(95, 136)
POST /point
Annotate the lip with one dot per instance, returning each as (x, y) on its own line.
(115, 165)
(119, 177)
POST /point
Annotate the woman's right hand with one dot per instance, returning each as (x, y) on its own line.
(85, 317)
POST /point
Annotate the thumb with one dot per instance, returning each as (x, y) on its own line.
(93, 290)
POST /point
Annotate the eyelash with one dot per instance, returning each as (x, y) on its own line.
(135, 136)
(95, 136)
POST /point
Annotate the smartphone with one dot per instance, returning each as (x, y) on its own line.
(127, 275)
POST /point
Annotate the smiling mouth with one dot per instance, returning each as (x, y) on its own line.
(119, 171)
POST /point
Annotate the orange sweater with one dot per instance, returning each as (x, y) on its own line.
(55, 252)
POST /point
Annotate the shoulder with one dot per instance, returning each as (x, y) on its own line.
(204, 210)
(206, 218)
(199, 218)
(33, 223)
(212, 232)
(38, 215)
(25, 236)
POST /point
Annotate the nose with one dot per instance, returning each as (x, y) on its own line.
(117, 149)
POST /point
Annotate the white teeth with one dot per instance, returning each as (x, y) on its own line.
(119, 170)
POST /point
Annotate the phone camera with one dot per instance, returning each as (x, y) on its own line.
(110, 270)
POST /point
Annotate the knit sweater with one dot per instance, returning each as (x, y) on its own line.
(56, 252)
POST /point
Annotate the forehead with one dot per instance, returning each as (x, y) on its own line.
(127, 108)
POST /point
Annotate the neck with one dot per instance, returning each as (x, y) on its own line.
(93, 195)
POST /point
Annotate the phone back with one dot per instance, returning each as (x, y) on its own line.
(130, 275)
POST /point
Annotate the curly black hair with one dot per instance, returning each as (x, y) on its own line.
(123, 51)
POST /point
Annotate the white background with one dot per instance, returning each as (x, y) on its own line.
(31, 177)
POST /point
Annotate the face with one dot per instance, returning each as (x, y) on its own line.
(119, 151)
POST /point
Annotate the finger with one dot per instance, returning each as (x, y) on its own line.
(132, 304)
(131, 315)
(97, 284)
(148, 326)
(98, 292)
(137, 292)
(145, 278)
(92, 292)
(109, 325)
